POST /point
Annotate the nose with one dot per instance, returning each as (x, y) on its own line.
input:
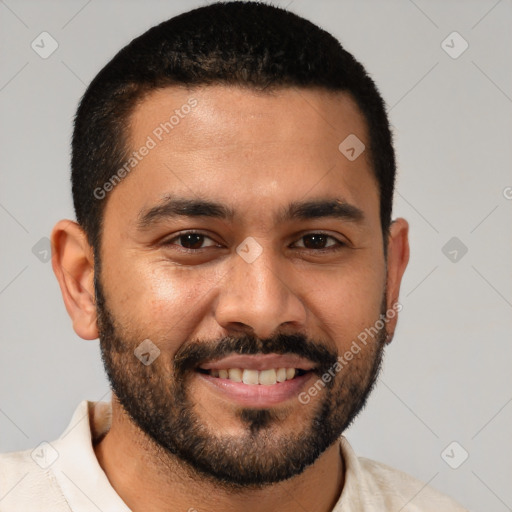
(259, 297)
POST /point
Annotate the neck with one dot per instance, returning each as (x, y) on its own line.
(140, 478)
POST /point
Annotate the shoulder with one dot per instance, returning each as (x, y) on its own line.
(43, 479)
(26, 486)
(397, 485)
(377, 486)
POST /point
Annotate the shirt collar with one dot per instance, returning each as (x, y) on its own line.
(85, 484)
(77, 470)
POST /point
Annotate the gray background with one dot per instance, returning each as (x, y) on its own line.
(447, 373)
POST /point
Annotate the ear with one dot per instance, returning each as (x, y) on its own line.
(397, 259)
(73, 265)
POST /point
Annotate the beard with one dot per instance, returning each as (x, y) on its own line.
(156, 398)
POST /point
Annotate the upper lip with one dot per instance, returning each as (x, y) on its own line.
(259, 362)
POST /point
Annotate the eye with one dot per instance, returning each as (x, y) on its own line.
(191, 240)
(319, 241)
(195, 241)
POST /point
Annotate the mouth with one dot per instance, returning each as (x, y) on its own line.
(266, 377)
(257, 380)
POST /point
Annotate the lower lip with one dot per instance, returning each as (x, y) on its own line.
(257, 395)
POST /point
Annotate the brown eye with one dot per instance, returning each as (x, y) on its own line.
(191, 240)
(315, 241)
(319, 241)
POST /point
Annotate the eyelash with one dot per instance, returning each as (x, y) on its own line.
(340, 245)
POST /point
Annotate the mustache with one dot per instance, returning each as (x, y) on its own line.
(195, 353)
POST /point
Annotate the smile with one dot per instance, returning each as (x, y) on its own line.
(267, 377)
(259, 380)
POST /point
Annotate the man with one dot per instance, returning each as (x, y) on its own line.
(232, 176)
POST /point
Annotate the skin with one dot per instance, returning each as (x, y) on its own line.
(256, 153)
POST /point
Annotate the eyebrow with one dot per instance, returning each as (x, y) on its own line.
(173, 207)
(322, 208)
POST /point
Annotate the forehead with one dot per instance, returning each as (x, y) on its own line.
(231, 114)
(245, 148)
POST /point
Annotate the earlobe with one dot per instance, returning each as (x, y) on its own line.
(73, 265)
(397, 259)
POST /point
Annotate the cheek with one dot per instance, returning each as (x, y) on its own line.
(162, 302)
(345, 301)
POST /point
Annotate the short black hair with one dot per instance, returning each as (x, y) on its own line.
(247, 44)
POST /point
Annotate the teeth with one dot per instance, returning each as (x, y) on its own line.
(235, 374)
(290, 373)
(281, 375)
(268, 377)
(252, 377)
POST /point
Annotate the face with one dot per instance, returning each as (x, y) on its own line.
(246, 250)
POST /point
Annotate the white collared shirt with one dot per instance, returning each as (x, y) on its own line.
(65, 476)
